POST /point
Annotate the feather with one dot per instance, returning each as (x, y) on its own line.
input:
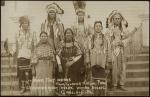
(6, 45)
(79, 5)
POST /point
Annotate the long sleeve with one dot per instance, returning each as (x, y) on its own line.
(61, 31)
(34, 58)
(126, 36)
(58, 59)
(79, 53)
(58, 53)
(34, 41)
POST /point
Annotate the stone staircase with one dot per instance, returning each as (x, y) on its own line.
(137, 82)
(137, 74)
(9, 81)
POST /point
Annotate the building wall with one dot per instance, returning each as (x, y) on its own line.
(98, 10)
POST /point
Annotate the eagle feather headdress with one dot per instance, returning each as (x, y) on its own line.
(79, 6)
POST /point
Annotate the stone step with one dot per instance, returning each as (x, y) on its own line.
(137, 65)
(8, 78)
(6, 60)
(10, 93)
(134, 91)
(9, 85)
(130, 82)
(7, 68)
(8, 74)
(131, 91)
(14, 93)
(137, 82)
(5, 77)
(138, 57)
(12, 68)
(145, 50)
(137, 73)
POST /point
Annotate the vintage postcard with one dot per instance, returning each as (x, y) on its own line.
(74, 48)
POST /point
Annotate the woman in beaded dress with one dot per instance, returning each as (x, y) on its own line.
(70, 57)
(42, 68)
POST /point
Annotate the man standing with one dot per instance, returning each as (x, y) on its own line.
(117, 36)
(25, 43)
(82, 29)
(54, 29)
(53, 25)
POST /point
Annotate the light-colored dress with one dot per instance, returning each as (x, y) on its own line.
(42, 83)
(98, 50)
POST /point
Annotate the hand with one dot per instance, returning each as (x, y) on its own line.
(123, 22)
(70, 59)
(107, 71)
(60, 68)
(88, 65)
(69, 63)
(33, 72)
(106, 67)
(120, 43)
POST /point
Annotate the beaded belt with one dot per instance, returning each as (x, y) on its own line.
(45, 58)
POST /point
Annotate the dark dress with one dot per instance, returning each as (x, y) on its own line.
(76, 72)
(76, 68)
(22, 69)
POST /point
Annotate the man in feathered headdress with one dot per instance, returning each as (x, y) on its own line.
(55, 30)
(118, 37)
(52, 25)
(81, 28)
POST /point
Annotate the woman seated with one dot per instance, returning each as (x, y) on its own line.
(70, 59)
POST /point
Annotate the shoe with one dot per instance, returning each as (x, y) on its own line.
(22, 91)
(114, 88)
(122, 88)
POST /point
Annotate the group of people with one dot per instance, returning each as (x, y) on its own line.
(79, 53)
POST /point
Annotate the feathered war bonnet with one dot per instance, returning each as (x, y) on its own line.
(79, 7)
(110, 19)
(24, 19)
(54, 7)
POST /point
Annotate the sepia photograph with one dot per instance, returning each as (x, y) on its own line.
(74, 48)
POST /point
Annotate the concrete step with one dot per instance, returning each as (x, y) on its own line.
(9, 85)
(8, 68)
(138, 57)
(15, 93)
(8, 78)
(137, 82)
(143, 91)
(130, 82)
(6, 60)
(5, 77)
(8, 74)
(137, 65)
(137, 73)
(145, 50)
(131, 91)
